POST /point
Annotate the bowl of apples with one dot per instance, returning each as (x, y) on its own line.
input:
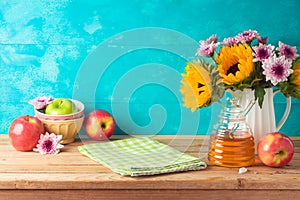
(62, 116)
(61, 109)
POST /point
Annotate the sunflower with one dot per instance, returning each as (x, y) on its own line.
(196, 85)
(235, 63)
(291, 88)
(295, 78)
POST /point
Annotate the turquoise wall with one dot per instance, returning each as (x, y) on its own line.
(126, 56)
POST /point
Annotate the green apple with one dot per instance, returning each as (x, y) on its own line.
(60, 106)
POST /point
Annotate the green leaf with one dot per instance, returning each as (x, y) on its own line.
(259, 94)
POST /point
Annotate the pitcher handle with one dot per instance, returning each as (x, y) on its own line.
(286, 112)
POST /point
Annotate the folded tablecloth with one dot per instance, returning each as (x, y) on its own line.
(141, 156)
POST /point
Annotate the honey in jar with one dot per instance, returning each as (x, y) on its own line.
(232, 143)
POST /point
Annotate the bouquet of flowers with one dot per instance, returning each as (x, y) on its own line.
(236, 63)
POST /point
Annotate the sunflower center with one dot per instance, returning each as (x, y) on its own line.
(199, 86)
(233, 69)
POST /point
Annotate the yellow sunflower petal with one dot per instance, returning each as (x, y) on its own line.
(295, 78)
(196, 86)
(235, 63)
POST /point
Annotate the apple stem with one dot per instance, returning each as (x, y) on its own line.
(280, 153)
(103, 126)
(60, 103)
(27, 117)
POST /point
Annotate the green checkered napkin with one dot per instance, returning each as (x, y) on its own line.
(141, 156)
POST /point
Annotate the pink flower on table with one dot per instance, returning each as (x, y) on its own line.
(262, 52)
(49, 144)
(208, 47)
(277, 69)
(288, 51)
(247, 36)
(41, 102)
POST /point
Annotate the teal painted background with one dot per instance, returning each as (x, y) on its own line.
(102, 53)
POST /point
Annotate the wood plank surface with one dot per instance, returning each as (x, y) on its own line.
(70, 175)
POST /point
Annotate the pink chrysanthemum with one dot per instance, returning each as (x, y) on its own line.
(212, 39)
(207, 47)
(277, 69)
(262, 52)
(247, 36)
(262, 40)
(230, 41)
(49, 144)
(288, 51)
(41, 102)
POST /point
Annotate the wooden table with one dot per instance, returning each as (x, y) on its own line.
(70, 175)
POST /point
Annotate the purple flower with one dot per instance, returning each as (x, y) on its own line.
(49, 144)
(212, 39)
(262, 40)
(277, 69)
(262, 52)
(288, 51)
(247, 36)
(41, 102)
(208, 47)
(230, 41)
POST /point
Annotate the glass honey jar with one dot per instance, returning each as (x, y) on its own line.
(231, 142)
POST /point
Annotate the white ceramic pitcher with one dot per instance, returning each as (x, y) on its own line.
(262, 120)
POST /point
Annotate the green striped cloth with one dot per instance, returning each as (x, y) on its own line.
(140, 156)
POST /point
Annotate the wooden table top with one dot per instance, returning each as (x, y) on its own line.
(70, 175)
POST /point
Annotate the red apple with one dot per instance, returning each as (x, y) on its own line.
(275, 149)
(24, 132)
(99, 125)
